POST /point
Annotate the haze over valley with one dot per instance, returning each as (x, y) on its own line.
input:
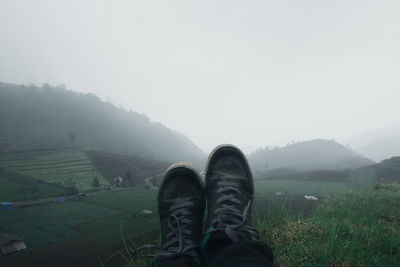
(99, 98)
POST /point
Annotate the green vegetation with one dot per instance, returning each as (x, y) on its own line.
(359, 228)
(34, 169)
(49, 223)
(388, 169)
(299, 188)
(16, 187)
(64, 166)
(95, 217)
(131, 200)
(129, 203)
(320, 183)
(31, 113)
(134, 170)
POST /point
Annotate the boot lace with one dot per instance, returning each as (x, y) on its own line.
(229, 218)
(178, 239)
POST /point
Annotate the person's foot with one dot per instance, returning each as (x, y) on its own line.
(229, 190)
(181, 204)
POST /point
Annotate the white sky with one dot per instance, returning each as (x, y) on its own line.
(252, 73)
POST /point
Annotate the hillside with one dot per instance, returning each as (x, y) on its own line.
(30, 170)
(315, 154)
(381, 148)
(113, 165)
(388, 170)
(54, 114)
(58, 164)
(377, 145)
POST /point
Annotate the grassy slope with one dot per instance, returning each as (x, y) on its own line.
(52, 163)
(359, 228)
(111, 165)
(20, 187)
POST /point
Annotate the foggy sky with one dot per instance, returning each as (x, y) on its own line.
(252, 73)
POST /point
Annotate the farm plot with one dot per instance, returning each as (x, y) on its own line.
(132, 200)
(50, 223)
(130, 203)
(97, 218)
(65, 166)
(20, 187)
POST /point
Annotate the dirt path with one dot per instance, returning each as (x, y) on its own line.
(151, 186)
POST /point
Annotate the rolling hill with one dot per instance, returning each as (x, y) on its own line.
(388, 170)
(309, 155)
(54, 114)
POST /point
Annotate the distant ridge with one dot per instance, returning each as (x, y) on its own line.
(309, 155)
(54, 114)
(377, 145)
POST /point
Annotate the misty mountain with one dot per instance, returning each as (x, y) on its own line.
(377, 145)
(382, 148)
(309, 155)
(32, 113)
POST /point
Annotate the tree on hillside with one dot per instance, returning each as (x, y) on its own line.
(70, 187)
(129, 180)
(95, 183)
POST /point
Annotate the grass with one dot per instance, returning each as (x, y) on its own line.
(359, 228)
(359, 178)
(299, 188)
(131, 201)
(96, 217)
(349, 229)
(50, 223)
(60, 165)
(129, 204)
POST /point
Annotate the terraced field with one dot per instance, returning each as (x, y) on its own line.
(61, 165)
(16, 187)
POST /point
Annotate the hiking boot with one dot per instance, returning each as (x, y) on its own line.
(229, 190)
(181, 204)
